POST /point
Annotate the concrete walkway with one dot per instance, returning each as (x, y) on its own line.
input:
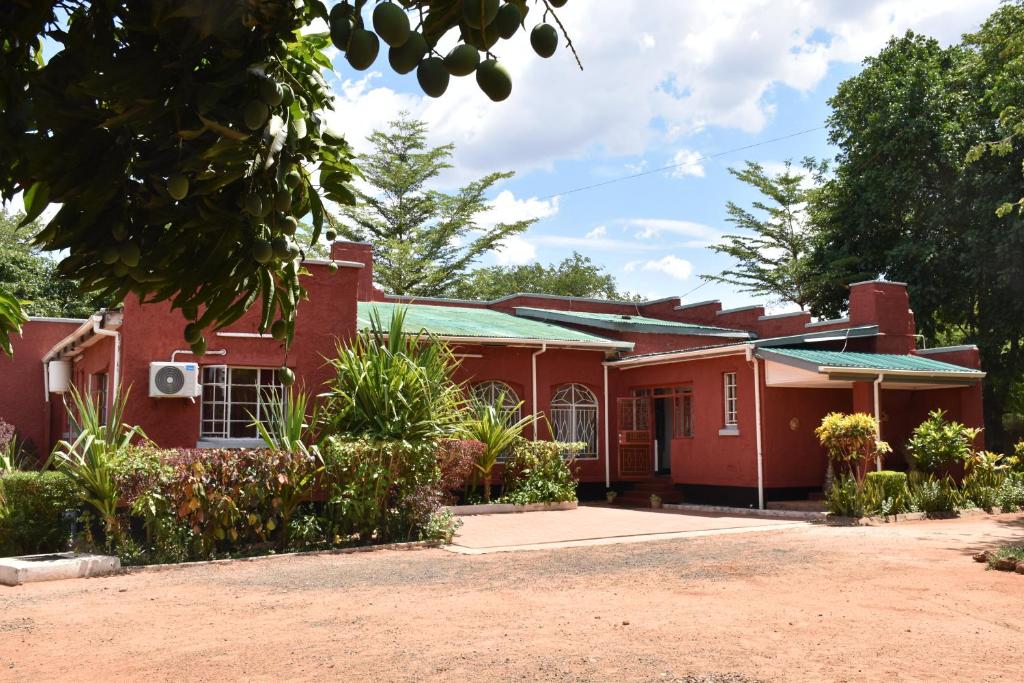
(597, 525)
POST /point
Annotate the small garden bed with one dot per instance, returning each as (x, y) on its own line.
(876, 520)
(1007, 559)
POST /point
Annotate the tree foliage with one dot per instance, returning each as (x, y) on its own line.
(576, 275)
(904, 202)
(32, 277)
(183, 139)
(772, 253)
(424, 240)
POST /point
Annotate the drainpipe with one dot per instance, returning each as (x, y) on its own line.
(97, 329)
(878, 416)
(607, 437)
(533, 364)
(757, 430)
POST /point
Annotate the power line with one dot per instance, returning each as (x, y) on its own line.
(702, 157)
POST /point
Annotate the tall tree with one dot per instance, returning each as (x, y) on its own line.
(772, 252)
(153, 123)
(32, 277)
(423, 240)
(905, 203)
(576, 275)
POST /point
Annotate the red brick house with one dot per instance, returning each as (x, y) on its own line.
(719, 404)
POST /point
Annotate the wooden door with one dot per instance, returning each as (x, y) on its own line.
(635, 440)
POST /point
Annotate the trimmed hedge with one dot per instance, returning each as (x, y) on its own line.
(30, 512)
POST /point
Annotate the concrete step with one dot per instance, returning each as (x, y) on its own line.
(642, 499)
(797, 505)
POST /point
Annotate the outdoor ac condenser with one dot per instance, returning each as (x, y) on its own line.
(174, 380)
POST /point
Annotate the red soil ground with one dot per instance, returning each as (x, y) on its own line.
(897, 603)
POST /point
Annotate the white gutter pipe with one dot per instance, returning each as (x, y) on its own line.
(607, 437)
(533, 367)
(218, 352)
(97, 329)
(757, 428)
(878, 416)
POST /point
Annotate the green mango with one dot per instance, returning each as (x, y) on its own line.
(544, 39)
(391, 23)
(462, 60)
(433, 76)
(494, 80)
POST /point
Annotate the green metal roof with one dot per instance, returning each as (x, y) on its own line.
(867, 361)
(629, 323)
(463, 322)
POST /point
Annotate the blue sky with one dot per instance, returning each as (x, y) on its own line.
(664, 82)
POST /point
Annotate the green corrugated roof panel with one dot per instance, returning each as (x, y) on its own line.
(460, 321)
(868, 361)
(631, 323)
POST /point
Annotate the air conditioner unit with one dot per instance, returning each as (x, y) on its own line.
(174, 380)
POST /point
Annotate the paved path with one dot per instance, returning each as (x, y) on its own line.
(597, 525)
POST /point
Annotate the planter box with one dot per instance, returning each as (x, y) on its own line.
(15, 571)
(506, 508)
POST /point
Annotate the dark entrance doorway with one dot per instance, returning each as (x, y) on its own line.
(663, 435)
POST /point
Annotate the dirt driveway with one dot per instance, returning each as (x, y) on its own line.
(900, 603)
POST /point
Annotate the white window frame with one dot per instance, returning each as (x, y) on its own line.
(222, 438)
(578, 403)
(730, 401)
(489, 392)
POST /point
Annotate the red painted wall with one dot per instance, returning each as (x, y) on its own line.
(555, 367)
(153, 332)
(707, 458)
(22, 394)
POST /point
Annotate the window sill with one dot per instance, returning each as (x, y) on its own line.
(729, 431)
(231, 443)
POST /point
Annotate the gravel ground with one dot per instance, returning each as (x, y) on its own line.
(900, 602)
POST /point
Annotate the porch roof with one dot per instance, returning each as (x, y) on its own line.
(816, 367)
(484, 326)
(630, 323)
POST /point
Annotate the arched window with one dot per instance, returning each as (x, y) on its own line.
(499, 395)
(574, 417)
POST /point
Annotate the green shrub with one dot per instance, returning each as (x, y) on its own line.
(937, 444)
(889, 490)
(845, 498)
(441, 526)
(540, 472)
(1010, 496)
(90, 459)
(930, 494)
(389, 385)
(851, 439)
(31, 516)
(497, 429)
(380, 490)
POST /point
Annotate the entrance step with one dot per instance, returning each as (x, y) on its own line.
(639, 496)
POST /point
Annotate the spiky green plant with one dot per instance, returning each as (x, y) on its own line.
(394, 385)
(288, 429)
(90, 459)
(497, 429)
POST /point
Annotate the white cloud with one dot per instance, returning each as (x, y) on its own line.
(654, 71)
(505, 208)
(673, 266)
(698, 234)
(596, 233)
(687, 163)
(514, 251)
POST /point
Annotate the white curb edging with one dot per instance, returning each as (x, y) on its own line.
(507, 508)
(15, 571)
(748, 512)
